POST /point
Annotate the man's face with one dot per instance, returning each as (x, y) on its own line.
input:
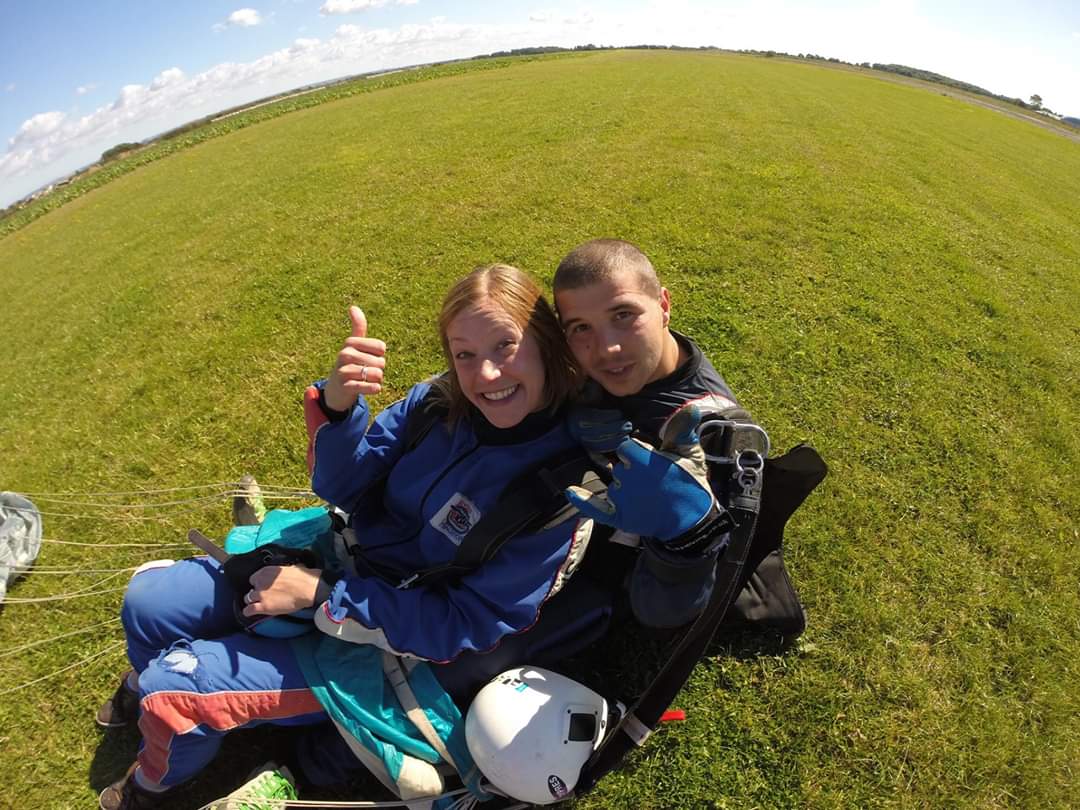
(617, 331)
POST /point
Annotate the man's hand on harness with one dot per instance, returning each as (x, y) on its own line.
(661, 493)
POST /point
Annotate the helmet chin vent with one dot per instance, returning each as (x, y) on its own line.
(582, 727)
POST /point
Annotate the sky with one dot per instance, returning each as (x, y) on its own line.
(78, 77)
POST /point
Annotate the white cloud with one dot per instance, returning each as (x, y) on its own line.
(57, 142)
(244, 17)
(583, 17)
(14, 164)
(53, 143)
(540, 16)
(82, 90)
(40, 126)
(241, 18)
(353, 6)
(348, 6)
(166, 78)
(9, 88)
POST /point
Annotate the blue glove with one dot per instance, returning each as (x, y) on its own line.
(598, 430)
(655, 493)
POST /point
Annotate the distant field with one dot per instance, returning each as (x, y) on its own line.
(884, 272)
(1060, 127)
(196, 132)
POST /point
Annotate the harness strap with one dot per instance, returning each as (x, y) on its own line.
(363, 565)
(789, 480)
(531, 501)
(417, 716)
(635, 729)
(523, 505)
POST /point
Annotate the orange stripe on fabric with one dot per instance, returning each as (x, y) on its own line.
(314, 418)
(166, 714)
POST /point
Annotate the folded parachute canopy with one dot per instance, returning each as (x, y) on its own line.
(20, 537)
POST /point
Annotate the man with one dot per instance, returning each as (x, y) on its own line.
(616, 318)
(656, 382)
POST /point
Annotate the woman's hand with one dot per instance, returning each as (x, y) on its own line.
(280, 589)
(359, 366)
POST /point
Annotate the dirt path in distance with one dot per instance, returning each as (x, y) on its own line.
(1072, 133)
(1034, 118)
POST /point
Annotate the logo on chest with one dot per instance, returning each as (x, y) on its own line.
(457, 516)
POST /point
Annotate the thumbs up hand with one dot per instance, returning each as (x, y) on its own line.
(358, 368)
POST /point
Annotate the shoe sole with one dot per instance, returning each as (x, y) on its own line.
(103, 724)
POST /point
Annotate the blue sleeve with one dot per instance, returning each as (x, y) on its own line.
(502, 597)
(348, 456)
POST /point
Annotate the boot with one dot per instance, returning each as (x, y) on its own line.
(248, 508)
(122, 708)
(125, 794)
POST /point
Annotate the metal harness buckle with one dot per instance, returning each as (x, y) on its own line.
(405, 583)
(755, 432)
(749, 465)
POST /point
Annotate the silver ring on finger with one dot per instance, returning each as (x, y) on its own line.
(249, 597)
(363, 373)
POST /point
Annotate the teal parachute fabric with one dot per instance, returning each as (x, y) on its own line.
(302, 528)
(348, 678)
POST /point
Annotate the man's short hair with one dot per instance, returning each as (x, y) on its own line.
(598, 260)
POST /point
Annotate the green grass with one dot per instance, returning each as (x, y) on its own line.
(105, 171)
(883, 272)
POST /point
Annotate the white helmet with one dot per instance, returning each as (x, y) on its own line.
(531, 730)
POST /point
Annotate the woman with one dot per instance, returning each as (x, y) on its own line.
(410, 502)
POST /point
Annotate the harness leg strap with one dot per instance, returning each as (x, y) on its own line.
(407, 698)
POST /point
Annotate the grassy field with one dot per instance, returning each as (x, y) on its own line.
(886, 273)
(199, 131)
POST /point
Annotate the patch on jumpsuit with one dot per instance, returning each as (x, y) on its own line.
(181, 661)
(457, 516)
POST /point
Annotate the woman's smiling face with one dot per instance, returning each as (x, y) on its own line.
(498, 366)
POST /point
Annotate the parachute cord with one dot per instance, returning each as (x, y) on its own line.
(212, 498)
(228, 485)
(33, 644)
(87, 591)
(60, 597)
(21, 570)
(469, 802)
(88, 659)
(89, 517)
(122, 517)
(116, 518)
(115, 545)
(423, 801)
